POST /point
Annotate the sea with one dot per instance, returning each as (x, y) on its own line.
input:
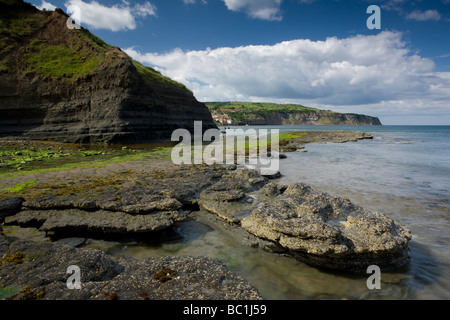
(403, 172)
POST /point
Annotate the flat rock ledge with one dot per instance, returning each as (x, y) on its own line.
(132, 214)
(38, 270)
(314, 227)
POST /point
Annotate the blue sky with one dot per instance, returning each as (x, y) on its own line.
(313, 52)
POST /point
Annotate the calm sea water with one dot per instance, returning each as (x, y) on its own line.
(404, 172)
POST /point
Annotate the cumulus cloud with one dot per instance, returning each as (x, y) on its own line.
(428, 15)
(115, 18)
(258, 9)
(361, 70)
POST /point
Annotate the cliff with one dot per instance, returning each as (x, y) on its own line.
(68, 85)
(241, 113)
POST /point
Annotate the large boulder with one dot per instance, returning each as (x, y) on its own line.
(329, 231)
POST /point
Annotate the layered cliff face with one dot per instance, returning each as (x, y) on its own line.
(308, 119)
(67, 85)
(321, 118)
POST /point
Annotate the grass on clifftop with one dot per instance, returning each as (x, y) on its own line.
(59, 61)
(259, 106)
(81, 53)
(153, 75)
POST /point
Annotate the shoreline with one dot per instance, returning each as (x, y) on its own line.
(150, 196)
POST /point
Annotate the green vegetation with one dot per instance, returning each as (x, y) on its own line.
(19, 187)
(17, 26)
(5, 65)
(18, 157)
(14, 26)
(28, 157)
(59, 61)
(78, 57)
(7, 292)
(258, 106)
(152, 75)
(291, 135)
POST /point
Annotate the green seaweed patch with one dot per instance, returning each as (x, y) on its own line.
(19, 187)
(54, 158)
(7, 292)
(292, 135)
(28, 293)
(79, 189)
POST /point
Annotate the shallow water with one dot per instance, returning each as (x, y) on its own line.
(403, 172)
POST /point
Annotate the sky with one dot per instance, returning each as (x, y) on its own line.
(342, 55)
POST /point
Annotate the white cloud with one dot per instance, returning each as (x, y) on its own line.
(428, 15)
(115, 18)
(143, 10)
(344, 73)
(258, 9)
(193, 1)
(46, 5)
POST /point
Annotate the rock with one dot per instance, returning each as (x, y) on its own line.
(230, 205)
(10, 206)
(276, 154)
(39, 271)
(116, 100)
(73, 242)
(102, 222)
(270, 190)
(290, 147)
(227, 197)
(248, 179)
(271, 174)
(329, 231)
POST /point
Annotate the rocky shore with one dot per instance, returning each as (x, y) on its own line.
(145, 199)
(335, 136)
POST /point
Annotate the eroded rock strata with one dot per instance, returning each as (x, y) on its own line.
(96, 95)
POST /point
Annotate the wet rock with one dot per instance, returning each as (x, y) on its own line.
(276, 155)
(39, 271)
(228, 197)
(75, 221)
(230, 205)
(152, 203)
(271, 174)
(270, 190)
(10, 206)
(248, 179)
(73, 242)
(329, 231)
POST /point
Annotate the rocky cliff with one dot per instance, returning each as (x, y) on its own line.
(311, 119)
(64, 84)
(254, 113)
